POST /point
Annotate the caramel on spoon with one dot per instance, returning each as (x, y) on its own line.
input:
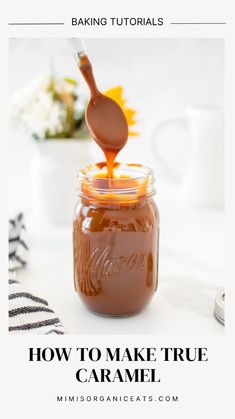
(105, 118)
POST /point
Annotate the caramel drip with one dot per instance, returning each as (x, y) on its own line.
(105, 118)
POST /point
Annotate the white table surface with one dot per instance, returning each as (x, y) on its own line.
(191, 272)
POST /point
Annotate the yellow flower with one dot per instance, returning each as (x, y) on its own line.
(116, 93)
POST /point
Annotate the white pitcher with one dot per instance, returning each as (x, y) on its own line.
(202, 180)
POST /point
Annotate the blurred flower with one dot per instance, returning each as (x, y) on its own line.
(48, 108)
(116, 93)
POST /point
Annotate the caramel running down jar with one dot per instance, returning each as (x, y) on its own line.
(115, 239)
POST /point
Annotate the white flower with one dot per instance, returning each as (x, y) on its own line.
(36, 108)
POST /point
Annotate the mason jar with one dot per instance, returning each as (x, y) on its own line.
(116, 239)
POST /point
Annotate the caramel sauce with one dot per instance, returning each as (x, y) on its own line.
(116, 221)
(104, 117)
(115, 236)
(103, 189)
(115, 255)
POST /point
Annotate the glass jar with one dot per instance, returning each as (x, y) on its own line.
(116, 239)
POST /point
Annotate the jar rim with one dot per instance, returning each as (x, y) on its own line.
(130, 182)
(86, 173)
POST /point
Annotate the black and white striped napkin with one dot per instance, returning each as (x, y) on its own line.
(18, 249)
(27, 313)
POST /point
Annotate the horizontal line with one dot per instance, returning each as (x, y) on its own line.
(28, 310)
(29, 296)
(198, 23)
(35, 23)
(36, 325)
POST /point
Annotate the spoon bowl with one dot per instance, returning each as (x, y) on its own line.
(107, 122)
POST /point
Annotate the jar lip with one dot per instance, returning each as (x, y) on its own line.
(142, 172)
(132, 182)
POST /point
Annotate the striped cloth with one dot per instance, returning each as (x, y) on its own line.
(18, 249)
(27, 313)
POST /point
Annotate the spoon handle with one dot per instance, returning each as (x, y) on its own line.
(78, 48)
